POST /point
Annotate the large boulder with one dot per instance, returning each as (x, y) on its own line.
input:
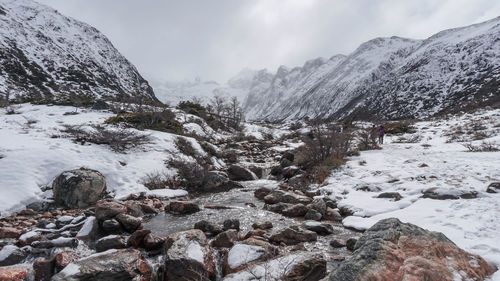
(188, 257)
(106, 209)
(238, 173)
(293, 235)
(215, 181)
(249, 251)
(10, 255)
(392, 250)
(112, 265)
(79, 188)
(182, 207)
(304, 266)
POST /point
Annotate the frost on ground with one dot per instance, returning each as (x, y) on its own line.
(33, 154)
(435, 161)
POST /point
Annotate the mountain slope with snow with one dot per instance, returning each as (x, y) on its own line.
(44, 54)
(390, 78)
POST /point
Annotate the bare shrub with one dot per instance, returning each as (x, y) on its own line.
(410, 139)
(185, 147)
(157, 180)
(367, 138)
(400, 127)
(119, 140)
(230, 156)
(483, 147)
(160, 121)
(191, 173)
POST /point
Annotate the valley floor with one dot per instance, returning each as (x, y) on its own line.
(432, 162)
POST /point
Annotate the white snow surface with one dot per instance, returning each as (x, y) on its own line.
(473, 224)
(242, 254)
(195, 251)
(31, 158)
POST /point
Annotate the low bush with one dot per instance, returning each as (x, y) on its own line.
(119, 140)
(483, 147)
(193, 108)
(190, 173)
(398, 128)
(409, 139)
(160, 121)
(367, 138)
(157, 180)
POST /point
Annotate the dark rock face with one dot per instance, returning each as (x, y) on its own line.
(238, 173)
(392, 250)
(209, 228)
(231, 224)
(79, 188)
(262, 225)
(10, 255)
(391, 195)
(110, 242)
(320, 228)
(188, 257)
(44, 269)
(129, 223)
(215, 181)
(112, 265)
(111, 226)
(106, 210)
(493, 187)
(182, 207)
(136, 239)
(293, 235)
(225, 239)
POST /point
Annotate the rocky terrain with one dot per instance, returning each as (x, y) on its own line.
(47, 56)
(388, 78)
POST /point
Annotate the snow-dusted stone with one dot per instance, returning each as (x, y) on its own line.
(392, 250)
(293, 235)
(238, 173)
(318, 227)
(79, 188)
(110, 242)
(305, 266)
(11, 254)
(60, 242)
(391, 195)
(215, 181)
(188, 257)
(29, 237)
(448, 194)
(112, 265)
(494, 187)
(89, 230)
(319, 205)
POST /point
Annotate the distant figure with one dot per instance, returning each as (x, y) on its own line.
(381, 133)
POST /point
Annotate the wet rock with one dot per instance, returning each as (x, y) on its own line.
(111, 226)
(284, 163)
(60, 242)
(136, 239)
(106, 210)
(218, 207)
(134, 209)
(188, 257)
(277, 208)
(288, 155)
(297, 210)
(231, 224)
(10, 255)
(319, 205)
(110, 242)
(262, 225)
(27, 212)
(299, 266)
(313, 215)
(225, 239)
(209, 228)
(320, 228)
(79, 188)
(391, 195)
(238, 173)
(261, 192)
(182, 207)
(350, 243)
(129, 223)
(392, 250)
(241, 255)
(10, 232)
(258, 171)
(293, 235)
(332, 215)
(112, 265)
(215, 181)
(152, 242)
(256, 233)
(29, 237)
(89, 230)
(64, 258)
(277, 171)
(494, 187)
(15, 273)
(290, 172)
(337, 243)
(64, 220)
(44, 269)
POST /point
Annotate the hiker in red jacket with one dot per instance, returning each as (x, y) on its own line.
(381, 133)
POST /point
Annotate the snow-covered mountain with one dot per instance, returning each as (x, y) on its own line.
(45, 54)
(389, 78)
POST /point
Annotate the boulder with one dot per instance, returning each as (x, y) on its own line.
(313, 215)
(79, 188)
(129, 223)
(304, 266)
(44, 269)
(247, 252)
(64, 258)
(290, 172)
(277, 208)
(106, 209)
(136, 239)
(392, 250)
(494, 187)
(332, 215)
(337, 243)
(182, 207)
(10, 255)
(209, 228)
(238, 173)
(10, 232)
(262, 225)
(350, 243)
(134, 209)
(188, 257)
(15, 273)
(297, 210)
(152, 242)
(89, 230)
(318, 205)
(60, 242)
(284, 163)
(215, 181)
(110, 242)
(225, 239)
(112, 265)
(261, 192)
(111, 226)
(293, 235)
(320, 228)
(231, 224)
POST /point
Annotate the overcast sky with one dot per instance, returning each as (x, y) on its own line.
(179, 40)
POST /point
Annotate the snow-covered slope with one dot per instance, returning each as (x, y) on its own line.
(390, 78)
(45, 54)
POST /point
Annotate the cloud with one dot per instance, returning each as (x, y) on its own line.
(182, 39)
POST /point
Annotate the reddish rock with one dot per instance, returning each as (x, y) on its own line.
(253, 233)
(225, 239)
(182, 207)
(298, 210)
(263, 225)
(106, 210)
(152, 242)
(401, 251)
(129, 223)
(136, 239)
(10, 232)
(14, 273)
(293, 235)
(44, 269)
(332, 215)
(65, 258)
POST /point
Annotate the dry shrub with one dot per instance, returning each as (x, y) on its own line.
(483, 147)
(119, 140)
(185, 147)
(191, 174)
(410, 139)
(157, 180)
(400, 127)
(160, 121)
(367, 138)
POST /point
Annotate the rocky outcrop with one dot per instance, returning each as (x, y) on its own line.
(238, 173)
(216, 181)
(188, 257)
(112, 265)
(396, 251)
(79, 188)
(293, 235)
